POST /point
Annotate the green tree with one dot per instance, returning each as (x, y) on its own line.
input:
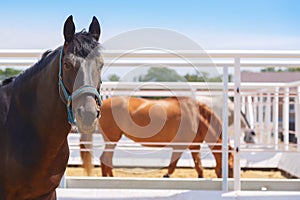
(273, 69)
(114, 77)
(195, 77)
(269, 69)
(162, 74)
(9, 72)
(169, 75)
(202, 77)
(296, 69)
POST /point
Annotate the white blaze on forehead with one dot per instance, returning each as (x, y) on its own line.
(89, 65)
(85, 72)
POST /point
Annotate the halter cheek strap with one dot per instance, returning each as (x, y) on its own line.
(67, 98)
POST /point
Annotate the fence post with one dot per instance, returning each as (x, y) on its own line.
(285, 120)
(297, 117)
(243, 104)
(255, 104)
(225, 131)
(237, 123)
(268, 117)
(261, 117)
(250, 112)
(275, 116)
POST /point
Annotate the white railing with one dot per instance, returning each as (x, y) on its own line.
(221, 58)
(246, 95)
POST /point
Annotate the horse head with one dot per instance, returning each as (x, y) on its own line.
(80, 75)
(249, 136)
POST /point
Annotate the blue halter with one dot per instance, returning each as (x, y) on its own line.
(69, 97)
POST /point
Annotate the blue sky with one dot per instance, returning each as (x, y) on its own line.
(214, 24)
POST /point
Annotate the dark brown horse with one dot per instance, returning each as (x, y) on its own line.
(169, 121)
(36, 110)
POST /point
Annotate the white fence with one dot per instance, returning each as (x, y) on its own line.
(247, 96)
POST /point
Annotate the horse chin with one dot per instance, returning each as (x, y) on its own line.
(88, 129)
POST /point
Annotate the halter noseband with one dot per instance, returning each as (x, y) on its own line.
(67, 98)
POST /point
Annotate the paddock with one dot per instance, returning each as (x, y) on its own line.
(260, 102)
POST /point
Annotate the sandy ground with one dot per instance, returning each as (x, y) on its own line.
(179, 173)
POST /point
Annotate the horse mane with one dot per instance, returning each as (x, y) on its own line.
(12, 78)
(37, 67)
(7, 81)
(46, 53)
(212, 118)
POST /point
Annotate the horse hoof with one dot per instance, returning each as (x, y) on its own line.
(200, 176)
(166, 176)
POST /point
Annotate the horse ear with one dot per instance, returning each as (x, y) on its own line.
(69, 29)
(95, 29)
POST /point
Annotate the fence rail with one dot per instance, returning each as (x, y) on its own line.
(221, 58)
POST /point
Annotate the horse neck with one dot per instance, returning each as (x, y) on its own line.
(52, 97)
(48, 113)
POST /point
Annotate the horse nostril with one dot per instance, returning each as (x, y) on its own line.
(79, 111)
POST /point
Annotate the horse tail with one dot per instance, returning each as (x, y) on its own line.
(214, 135)
(86, 155)
(211, 117)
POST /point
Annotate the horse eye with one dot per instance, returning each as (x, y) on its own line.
(67, 66)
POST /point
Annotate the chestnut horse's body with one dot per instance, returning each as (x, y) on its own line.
(34, 123)
(169, 121)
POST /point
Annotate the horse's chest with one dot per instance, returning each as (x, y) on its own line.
(30, 182)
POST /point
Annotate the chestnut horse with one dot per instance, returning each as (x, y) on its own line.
(168, 121)
(38, 108)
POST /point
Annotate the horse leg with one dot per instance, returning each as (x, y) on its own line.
(230, 162)
(106, 160)
(218, 158)
(86, 160)
(197, 161)
(85, 152)
(174, 160)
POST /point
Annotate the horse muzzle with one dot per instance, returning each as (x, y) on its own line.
(86, 115)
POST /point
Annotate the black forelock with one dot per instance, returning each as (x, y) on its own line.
(84, 44)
